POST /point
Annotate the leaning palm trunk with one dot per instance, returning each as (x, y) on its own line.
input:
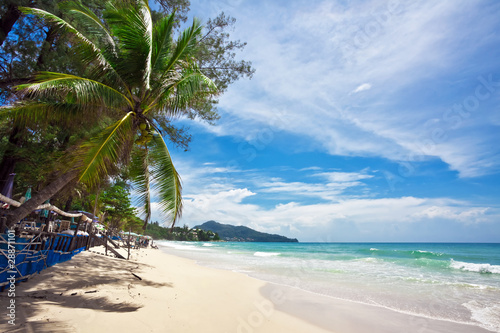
(46, 193)
(137, 79)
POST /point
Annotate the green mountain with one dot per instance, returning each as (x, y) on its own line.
(241, 233)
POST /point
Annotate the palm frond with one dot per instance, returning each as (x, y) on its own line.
(178, 95)
(93, 25)
(75, 89)
(102, 155)
(89, 52)
(162, 43)
(28, 112)
(139, 174)
(89, 20)
(186, 44)
(165, 179)
(133, 28)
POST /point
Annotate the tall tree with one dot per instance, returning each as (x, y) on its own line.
(10, 13)
(117, 210)
(137, 77)
(216, 57)
(42, 48)
(46, 48)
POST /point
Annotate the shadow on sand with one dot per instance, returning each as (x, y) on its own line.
(75, 284)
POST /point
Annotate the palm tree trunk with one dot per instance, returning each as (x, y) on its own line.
(46, 193)
(8, 20)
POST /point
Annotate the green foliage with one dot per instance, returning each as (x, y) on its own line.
(112, 204)
(130, 78)
(207, 235)
(216, 55)
(180, 234)
(242, 233)
(92, 82)
(42, 48)
(117, 207)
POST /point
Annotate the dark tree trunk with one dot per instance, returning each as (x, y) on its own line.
(8, 163)
(46, 48)
(69, 202)
(8, 20)
(46, 193)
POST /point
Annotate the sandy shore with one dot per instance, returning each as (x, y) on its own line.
(158, 292)
(94, 293)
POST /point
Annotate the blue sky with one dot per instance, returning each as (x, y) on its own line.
(365, 121)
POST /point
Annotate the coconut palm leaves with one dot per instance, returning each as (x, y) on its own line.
(149, 169)
(135, 72)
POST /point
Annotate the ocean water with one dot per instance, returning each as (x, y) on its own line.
(454, 282)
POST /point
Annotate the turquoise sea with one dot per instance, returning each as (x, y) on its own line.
(454, 282)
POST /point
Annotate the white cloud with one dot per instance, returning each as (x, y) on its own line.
(407, 61)
(312, 219)
(394, 50)
(310, 168)
(207, 196)
(468, 216)
(330, 191)
(343, 176)
(362, 87)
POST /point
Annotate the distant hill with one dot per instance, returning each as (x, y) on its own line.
(241, 233)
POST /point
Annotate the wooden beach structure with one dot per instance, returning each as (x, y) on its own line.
(29, 247)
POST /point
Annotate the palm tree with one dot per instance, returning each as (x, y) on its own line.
(137, 79)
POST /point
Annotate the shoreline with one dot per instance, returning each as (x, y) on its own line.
(94, 293)
(158, 292)
(306, 304)
(339, 315)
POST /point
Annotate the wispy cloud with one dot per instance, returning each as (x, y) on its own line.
(362, 87)
(237, 198)
(385, 83)
(402, 53)
(343, 176)
(367, 216)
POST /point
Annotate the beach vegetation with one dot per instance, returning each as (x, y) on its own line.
(136, 72)
(35, 144)
(49, 130)
(184, 233)
(241, 233)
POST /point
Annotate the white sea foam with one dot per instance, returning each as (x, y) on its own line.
(430, 252)
(487, 315)
(266, 254)
(207, 244)
(368, 260)
(478, 268)
(180, 246)
(373, 249)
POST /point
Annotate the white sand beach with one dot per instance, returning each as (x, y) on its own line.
(94, 293)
